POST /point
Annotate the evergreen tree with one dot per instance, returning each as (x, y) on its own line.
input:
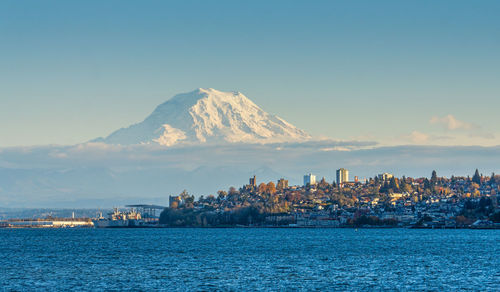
(476, 178)
(434, 178)
(403, 186)
(394, 184)
(427, 184)
(384, 188)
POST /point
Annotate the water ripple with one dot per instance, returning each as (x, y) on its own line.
(249, 259)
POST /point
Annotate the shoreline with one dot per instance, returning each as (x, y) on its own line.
(253, 227)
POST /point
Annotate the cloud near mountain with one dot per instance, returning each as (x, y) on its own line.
(102, 175)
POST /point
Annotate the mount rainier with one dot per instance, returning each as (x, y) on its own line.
(207, 116)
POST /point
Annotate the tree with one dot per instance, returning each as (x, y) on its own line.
(184, 195)
(394, 184)
(476, 178)
(262, 188)
(271, 188)
(404, 186)
(221, 194)
(189, 201)
(323, 184)
(427, 184)
(434, 178)
(495, 217)
(385, 188)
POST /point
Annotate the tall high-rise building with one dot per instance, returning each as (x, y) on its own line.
(309, 179)
(342, 176)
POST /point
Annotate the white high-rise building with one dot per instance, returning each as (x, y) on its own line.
(309, 179)
(342, 176)
(385, 176)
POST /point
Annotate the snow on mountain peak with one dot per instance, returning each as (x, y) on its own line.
(207, 115)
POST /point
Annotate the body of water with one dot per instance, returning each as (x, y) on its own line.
(249, 259)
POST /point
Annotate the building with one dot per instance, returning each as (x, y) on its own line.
(253, 181)
(173, 199)
(385, 176)
(282, 184)
(252, 184)
(494, 199)
(309, 179)
(342, 176)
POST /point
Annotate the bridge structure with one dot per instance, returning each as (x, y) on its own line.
(148, 212)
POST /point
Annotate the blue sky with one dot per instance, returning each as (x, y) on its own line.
(398, 72)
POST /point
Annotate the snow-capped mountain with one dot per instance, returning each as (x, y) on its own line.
(207, 116)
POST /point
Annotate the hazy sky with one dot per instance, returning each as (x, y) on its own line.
(398, 72)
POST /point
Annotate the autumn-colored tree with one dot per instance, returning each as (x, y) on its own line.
(274, 199)
(262, 188)
(404, 186)
(221, 194)
(293, 197)
(184, 195)
(271, 188)
(474, 186)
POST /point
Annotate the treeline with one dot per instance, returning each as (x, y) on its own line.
(484, 208)
(187, 217)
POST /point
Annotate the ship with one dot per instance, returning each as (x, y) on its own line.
(117, 219)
